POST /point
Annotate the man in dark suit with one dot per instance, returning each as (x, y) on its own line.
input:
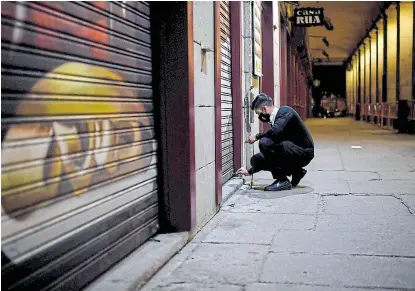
(285, 148)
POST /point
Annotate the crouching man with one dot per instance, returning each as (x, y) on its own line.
(285, 148)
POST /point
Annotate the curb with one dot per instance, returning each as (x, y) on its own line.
(230, 188)
(136, 269)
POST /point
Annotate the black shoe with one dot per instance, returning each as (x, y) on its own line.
(297, 177)
(279, 186)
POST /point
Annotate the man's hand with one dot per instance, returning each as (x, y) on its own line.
(252, 139)
(243, 172)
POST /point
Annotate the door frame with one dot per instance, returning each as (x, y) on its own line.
(172, 39)
(236, 59)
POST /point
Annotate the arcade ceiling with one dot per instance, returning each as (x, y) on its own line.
(350, 21)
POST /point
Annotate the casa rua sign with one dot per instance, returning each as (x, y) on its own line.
(257, 37)
(308, 17)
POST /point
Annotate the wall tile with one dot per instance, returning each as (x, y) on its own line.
(204, 135)
(205, 195)
(203, 22)
(204, 83)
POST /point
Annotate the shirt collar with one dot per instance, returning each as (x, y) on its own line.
(273, 115)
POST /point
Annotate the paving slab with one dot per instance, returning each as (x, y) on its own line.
(272, 203)
(230, 188)
(332, 160)
(353, 242)
(211, 225)
(383, 187)
(377, 162)
(196, 286)
(326, 186)
(365, 205)
(340, 271)
(373, 155)
(297, 287)
(134, 271)
(165, 273)
(362, 223)
(256, 228)
(341, 175)
(223, 263)
(409, 200)
(397, 175)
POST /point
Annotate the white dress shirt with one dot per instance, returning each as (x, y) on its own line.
(273, 115)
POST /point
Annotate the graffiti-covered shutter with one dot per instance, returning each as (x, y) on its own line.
(79, 172)
(226, 92)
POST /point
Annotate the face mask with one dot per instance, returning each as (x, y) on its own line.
(264, 117)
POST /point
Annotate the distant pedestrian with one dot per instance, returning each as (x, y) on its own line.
(285, 148)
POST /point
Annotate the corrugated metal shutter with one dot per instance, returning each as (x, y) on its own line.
(226, 92)
(79, 189)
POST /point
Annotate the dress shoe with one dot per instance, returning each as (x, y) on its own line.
(279, 186)
(297, 177)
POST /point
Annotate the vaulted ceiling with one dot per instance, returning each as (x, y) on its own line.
(350, 21)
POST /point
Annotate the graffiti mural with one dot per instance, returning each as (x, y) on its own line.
(79, 162)
(76, 111)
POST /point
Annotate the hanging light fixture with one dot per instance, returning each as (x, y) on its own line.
(324, 53)
(323, 39)
(327, 24)
(326, 42)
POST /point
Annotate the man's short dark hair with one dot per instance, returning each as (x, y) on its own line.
(261, 100)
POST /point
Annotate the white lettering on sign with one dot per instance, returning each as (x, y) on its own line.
(308, 16)
(305, 12)
(308, 19)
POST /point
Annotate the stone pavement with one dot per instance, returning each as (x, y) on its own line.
(349, 226)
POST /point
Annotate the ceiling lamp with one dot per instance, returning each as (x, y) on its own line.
(323, 39)
(327, 24)
(326, 42)
(324, 53)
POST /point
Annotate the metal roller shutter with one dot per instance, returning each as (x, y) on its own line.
(226, 92)
(79, 172)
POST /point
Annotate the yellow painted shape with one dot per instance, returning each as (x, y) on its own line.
(63, 92)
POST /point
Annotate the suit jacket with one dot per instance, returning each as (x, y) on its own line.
(288, 126)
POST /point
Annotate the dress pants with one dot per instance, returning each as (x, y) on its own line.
(281, 159)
